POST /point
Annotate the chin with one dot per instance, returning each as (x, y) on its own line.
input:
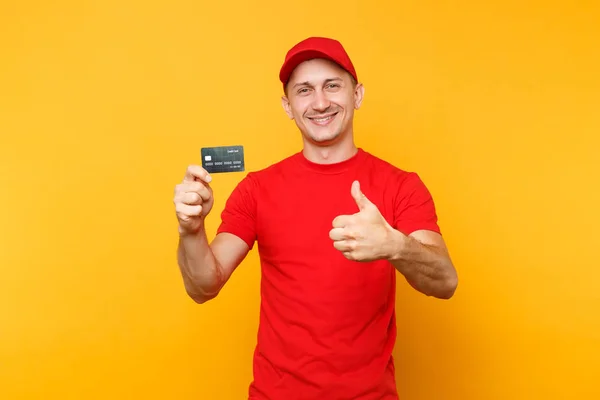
(323, 137)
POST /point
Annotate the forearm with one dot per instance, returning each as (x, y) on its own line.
(201, 272)
(428, 269)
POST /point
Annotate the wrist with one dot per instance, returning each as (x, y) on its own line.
(397, 243)
(183, 232)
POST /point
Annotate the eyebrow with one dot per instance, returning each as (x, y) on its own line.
(307, 83)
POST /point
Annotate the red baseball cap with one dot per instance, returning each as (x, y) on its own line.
(315, 47)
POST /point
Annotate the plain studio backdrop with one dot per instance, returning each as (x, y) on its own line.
(104, 104)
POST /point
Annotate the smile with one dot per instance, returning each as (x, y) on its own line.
(323, 120)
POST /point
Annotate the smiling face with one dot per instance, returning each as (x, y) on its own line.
(321, 98)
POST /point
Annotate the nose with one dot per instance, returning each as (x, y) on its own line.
(321, 102)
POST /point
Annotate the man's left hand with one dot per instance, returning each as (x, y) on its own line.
(366, 235)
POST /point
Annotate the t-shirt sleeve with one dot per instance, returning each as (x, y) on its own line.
(239, 214)
(415, 208)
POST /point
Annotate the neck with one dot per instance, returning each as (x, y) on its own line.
(329, 154)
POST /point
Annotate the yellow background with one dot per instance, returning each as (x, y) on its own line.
(103, 104)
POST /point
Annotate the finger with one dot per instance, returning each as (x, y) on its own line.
(344, 245)
(341, 221)
(200, 188)
(361, 200)
(190, 198)
(204, 192)
(188, 210)
(337, 234)
(193, 186)
(196, 172)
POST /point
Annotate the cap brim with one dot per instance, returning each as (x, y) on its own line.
(299, 58)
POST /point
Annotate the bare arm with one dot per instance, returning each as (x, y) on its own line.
(423, 259)
(206, 268)
(422, 256)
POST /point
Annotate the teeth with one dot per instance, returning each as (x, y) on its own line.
(323, 119)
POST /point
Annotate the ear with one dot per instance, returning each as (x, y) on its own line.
(285, 103)
(359, 92)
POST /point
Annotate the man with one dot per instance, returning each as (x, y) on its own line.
(333, 224)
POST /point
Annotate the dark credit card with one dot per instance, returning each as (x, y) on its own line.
(223, 159)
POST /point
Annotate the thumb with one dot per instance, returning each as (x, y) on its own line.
(361, 200)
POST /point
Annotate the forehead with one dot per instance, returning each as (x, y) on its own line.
(317, 69)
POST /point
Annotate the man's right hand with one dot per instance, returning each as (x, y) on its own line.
(193, 199)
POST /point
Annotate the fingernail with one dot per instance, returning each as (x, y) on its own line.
(208, 178)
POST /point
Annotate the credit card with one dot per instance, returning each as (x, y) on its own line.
(222, 159)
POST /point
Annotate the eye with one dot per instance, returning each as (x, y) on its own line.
(302, 90)
(333, 85)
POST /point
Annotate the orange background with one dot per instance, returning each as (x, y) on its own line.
(103, 104)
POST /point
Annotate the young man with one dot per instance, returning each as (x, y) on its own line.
(333, 224)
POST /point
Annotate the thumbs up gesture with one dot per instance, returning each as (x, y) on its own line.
(364, 236)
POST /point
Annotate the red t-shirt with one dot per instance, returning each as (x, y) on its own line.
(327, 324)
